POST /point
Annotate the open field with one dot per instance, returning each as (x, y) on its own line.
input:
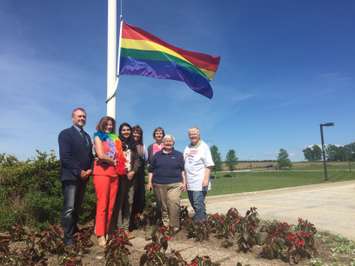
(295, 165)
(261, 179)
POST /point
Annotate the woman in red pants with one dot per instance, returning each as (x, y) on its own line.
(109, 164)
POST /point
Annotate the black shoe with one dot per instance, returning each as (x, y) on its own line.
(69, 242)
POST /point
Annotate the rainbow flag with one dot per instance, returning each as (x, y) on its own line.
(146, 55)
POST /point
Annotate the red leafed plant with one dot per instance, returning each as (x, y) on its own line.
(4, 249)
(289, 243)
(225, 226)
(18, 233)
(31, 255)
(247, 230)
(202, 261)
(116, 252)
(155, 252)
(218, 224)
(197, 230)
(175, 259)
(301, 243)
(71, 261)
(83, 239)
(275, 243)
(51, 240)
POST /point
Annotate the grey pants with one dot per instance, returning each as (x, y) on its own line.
(73, 192)
(124, 201)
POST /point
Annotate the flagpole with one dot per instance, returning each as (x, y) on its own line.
(111, 57)
(118, 55)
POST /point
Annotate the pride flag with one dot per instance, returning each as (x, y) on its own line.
(146, 55)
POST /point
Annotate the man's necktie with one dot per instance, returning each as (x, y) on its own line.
(83, 135)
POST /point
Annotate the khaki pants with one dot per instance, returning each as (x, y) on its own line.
(168, 195)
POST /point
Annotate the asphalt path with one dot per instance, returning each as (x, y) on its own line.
(330, 207)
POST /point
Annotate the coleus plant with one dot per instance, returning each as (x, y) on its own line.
(71, 261)
(202, 261)
(275, 242)
(197, 230)
(83, 239)
(289, 243)
(155, 252)
(116, 251)
(4, 249)
(31, 255)
(247, 229)
(51, 240)
(301, 242)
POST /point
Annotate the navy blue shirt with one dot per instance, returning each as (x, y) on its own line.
(167, 167)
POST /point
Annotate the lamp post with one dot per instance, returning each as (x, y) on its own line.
(330, 124)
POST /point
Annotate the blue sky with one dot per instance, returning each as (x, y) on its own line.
(286, 66)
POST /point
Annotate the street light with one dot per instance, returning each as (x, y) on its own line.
(329, 124)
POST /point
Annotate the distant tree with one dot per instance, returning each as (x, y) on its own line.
(8, 159)
(313, 153)
(317, 152)
(231, 160)
(331, 151)
(350, 148)
(308, 154)
(336, 153)
(216, 156)
(282, 159)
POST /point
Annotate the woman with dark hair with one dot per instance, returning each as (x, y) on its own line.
(108, 165)
(124, 201)
(139, 191)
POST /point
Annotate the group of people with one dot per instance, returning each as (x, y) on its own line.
(117, 163)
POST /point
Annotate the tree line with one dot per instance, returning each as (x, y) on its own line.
(334, 153)
(313, 153)
(231, 159)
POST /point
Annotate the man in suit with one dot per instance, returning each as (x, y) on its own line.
(75, 151)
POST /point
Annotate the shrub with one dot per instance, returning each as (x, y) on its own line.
(227, 175)
(31, 192)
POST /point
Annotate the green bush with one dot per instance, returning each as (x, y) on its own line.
(31, 192)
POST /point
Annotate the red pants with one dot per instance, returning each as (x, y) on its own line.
(106, 191)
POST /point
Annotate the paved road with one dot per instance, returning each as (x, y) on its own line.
(331, 207)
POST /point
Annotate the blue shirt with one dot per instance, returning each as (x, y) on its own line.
(167, 167)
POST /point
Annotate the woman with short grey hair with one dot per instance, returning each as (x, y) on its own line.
(167, 178)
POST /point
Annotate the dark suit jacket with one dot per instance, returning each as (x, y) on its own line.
(75, 155)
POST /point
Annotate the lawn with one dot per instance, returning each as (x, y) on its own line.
(237, 182)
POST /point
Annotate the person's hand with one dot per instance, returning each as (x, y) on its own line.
(130, 175)
(205, 182)
(183, 187)
(149, 186)
(84, 175)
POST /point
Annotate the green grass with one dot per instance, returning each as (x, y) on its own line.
(255, 181)
(319, 165)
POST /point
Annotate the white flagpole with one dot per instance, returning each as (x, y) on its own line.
(111, 57)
